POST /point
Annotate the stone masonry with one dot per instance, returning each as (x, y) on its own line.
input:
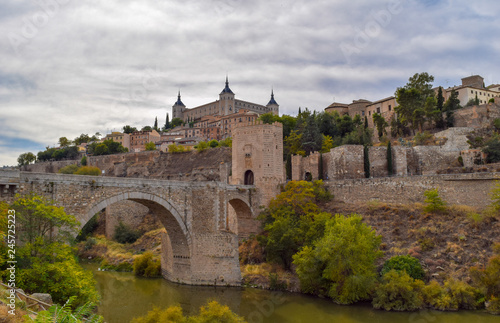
(200, 246)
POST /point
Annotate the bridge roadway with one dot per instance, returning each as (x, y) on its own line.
(203, 220)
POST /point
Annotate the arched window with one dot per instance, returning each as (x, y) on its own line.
(249, 177)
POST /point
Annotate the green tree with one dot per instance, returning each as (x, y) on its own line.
(450, 106)
(101, 149)
(293, 144)
(411, 100)
(176, 122)
(398, 292)
(366, 161)
(88, 170)
(434, 202)
(492, 150)
(155, 126)
(341, 264)
(201, 146)
(26, 159)
(213, 143)
(488, 279)
(146, 128)
(83, 161)
(408, 264)
(380, 123)
(150, 146)
(327, 144)
(128, 129)
(167, 123)
(64, 142)
(83, 138)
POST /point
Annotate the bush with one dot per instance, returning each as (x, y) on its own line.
(88, 170)
(202, 145)
(342, 262)
(275, 283)
(212, 312)
(434, 203)
(83, 161)
(424, 138)
(213, 143)
(145, 265)
(488, 280)
(492, 150)
(61, 280)
(70, 169)
(408, 264)
(398, 292)
(125, 234)
(452, 296)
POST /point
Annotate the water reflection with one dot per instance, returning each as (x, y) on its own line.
(124, 296)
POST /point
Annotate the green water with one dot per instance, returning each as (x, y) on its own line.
(124, 296)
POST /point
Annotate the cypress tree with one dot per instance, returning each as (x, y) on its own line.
(155, 127)
(299, 111)
(167, 123)
(288, 167)
(389, 159)
(366, 161)
(366, 122)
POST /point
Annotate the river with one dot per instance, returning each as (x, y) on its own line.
(124, 296)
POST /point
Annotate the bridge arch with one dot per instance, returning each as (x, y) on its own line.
(176, 243)
(240, 219)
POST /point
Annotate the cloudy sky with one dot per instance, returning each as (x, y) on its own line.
(70, 67)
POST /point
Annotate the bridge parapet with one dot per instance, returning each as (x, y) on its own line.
(9, 183)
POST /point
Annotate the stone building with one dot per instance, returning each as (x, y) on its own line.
(139, 139)
(257, 158)
(226, 105)
(122, 138)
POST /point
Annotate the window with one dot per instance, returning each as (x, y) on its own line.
(390, 108)
(378, 110)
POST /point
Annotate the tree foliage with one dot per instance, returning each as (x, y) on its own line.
(210, 313)
(26, 159)
(492, 150)
(176, 122)
(380, 124)
(408, 264)
(435, 203)
(398, 292)
(150, 146)
(107, 147)
(129, 129)
(341, 264)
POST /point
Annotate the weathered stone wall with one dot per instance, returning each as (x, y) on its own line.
(345, 162)
(304, 165)
(130, 213)
(200, 248)
(208, 165)
(466, 189)
(378, 161)
(49, 167)
(258, 151)
(477, 117)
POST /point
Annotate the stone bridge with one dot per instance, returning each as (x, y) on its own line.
(203, 220)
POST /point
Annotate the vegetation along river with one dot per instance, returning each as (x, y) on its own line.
(124, 296)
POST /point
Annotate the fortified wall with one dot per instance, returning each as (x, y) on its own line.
(208, 165)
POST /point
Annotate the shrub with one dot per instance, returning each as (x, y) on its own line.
(488, 280)
(492, 150)
(83, 161)
(145, 265)
(424, 138)
(212, 312)
(202, 145)
(398, 292)
(213, 143)
(275, 283)
(69, 169)
(88, 170)
(452, 296)
(125, 234)
(434, 202)
(342, 262)
(409, 264)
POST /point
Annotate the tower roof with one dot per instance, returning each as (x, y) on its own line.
(227, 89)
(179, 102)
(272, 101)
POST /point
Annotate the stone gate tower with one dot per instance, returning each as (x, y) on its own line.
(258, 158)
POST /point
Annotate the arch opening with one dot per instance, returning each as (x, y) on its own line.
(249, 179)
(175, 242)
(308, 177)
(240, 219)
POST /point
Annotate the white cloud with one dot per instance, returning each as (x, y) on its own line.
(96, 66)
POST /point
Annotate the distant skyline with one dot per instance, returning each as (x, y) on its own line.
(71, 67)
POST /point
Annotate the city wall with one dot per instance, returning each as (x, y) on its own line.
(465, 189)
